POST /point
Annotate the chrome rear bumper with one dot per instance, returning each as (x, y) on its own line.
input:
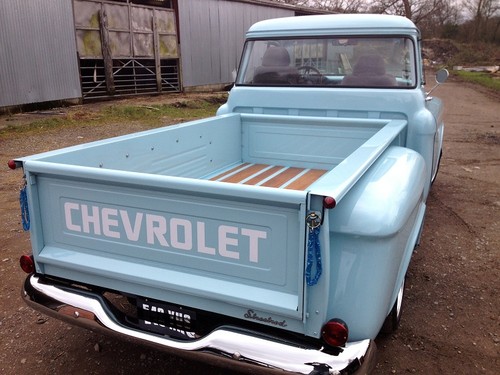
(241, 347)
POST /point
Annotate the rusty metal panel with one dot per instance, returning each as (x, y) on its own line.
(38, 61)
(130, 30)
(119, 29)
(86, 14)
(141, 19)
(88, 37)
(168, 46)
(89, 43)
(143, 45)
(212, 34)
(142, 29)
(118, 18)
(166, 22)
(126, 48)
(167, 32)
(120, 44)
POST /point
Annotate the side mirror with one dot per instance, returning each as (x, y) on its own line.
(441, 77)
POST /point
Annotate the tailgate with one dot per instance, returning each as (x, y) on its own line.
(209, 245)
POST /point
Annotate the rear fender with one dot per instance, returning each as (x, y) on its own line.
(373, 231)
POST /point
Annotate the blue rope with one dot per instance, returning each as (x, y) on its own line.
(313, 256)
(25, 215)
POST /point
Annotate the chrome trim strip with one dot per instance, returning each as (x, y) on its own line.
(234, 344)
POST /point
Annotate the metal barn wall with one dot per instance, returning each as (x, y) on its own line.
(212, 34)
(38, 61)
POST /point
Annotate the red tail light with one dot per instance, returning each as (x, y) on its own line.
(335, 332)
(27, 263)
(13, 164)
(329, 202)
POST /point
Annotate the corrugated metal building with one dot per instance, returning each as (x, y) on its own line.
(38, 62)
(212, 34)
(52, 50)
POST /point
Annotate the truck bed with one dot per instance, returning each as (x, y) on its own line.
(208, 214)
(287, 152)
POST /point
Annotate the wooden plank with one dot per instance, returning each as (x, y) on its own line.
(221, 175)
(245, 173)
(156, 44)
(306, 179)
(283, 177)
(257, 179)
(106, 52)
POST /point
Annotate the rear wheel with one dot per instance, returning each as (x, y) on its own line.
(437, 168)
(392, 320)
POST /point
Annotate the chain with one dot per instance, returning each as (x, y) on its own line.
(313, 221)
(25, 214)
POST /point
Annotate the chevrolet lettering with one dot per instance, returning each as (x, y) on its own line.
(162, 231)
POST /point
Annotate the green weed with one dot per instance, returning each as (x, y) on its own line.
(481, 78)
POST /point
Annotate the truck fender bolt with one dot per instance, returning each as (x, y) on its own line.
(236, 356)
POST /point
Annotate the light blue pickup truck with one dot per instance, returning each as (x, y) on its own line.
(276, 234)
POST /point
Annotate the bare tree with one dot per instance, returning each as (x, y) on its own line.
(485, 15)
(341, 6)
(337, 6)
(303, 3)
(415, 10)
(428, 15)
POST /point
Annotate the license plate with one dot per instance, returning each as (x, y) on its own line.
(166, 319)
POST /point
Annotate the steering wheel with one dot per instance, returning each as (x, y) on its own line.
(306, 72)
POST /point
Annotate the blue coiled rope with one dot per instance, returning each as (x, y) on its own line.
(313, 257)
(25, 214)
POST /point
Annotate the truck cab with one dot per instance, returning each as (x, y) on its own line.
(345, 66)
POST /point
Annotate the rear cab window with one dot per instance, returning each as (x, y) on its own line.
(363, 62)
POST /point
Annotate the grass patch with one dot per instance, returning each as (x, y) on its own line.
(154, 115)
(481, 78)
(34, 126)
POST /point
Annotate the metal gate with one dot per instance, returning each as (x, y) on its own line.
(126, 49)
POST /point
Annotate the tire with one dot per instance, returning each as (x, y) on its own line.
(392, 320)
(437, 168)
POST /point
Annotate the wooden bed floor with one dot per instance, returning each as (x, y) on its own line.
(270, 176)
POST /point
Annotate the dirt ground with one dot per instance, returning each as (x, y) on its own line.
(450, 324)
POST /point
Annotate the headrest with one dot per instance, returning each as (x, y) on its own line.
(276, 56)
(370, 65)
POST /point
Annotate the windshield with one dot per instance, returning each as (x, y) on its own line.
(346, 62)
